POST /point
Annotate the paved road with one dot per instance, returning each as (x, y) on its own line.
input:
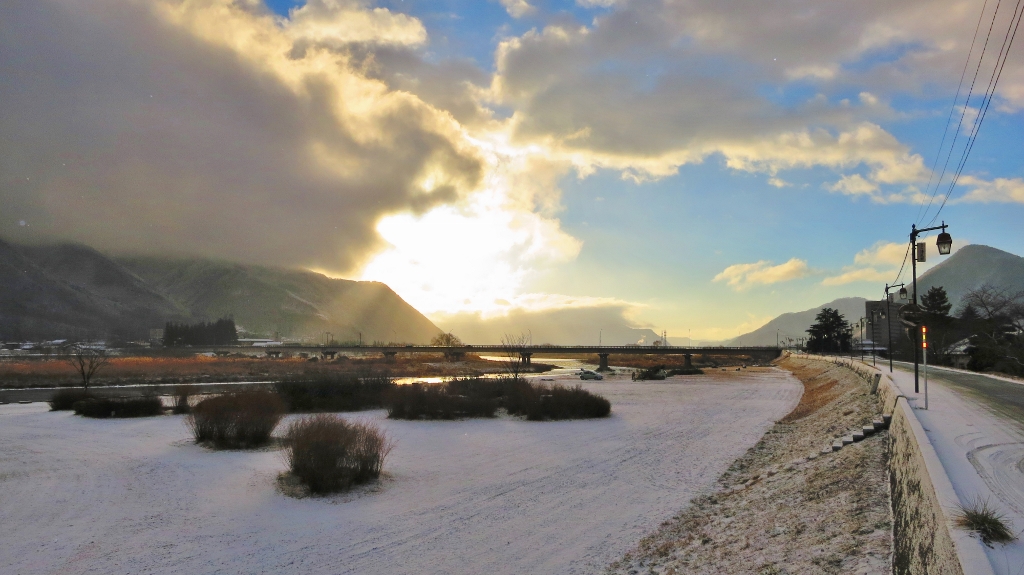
(1005, 398)
(975, 423)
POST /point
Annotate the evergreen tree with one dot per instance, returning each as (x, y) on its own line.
(830, 332)
(936, 302)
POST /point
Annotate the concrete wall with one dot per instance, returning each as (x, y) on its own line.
(925, 540)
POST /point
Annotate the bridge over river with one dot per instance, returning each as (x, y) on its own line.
(526, 352)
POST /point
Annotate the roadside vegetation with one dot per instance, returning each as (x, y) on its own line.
(981, 518)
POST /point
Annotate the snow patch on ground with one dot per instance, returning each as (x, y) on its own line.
(478, 496)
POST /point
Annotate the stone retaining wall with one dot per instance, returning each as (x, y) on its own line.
(925, 542)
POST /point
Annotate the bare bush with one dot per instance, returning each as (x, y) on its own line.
(419, 401)
(482, 397)
(329, 454)
(233, 420)
(65, 399)
(104, 407)
(333, 392)
(182, 400)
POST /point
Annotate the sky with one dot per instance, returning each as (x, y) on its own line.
(693, 166)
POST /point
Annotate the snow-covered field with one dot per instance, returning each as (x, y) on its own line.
(468, 497)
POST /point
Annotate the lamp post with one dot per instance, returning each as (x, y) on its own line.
(945, 244)
(888, 314)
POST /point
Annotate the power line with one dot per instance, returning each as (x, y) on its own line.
(956, 97)
(963, 113)
(997, 73)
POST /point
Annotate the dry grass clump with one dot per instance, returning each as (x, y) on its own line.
(65, 399)
(236, 420)
(328, 454)
(104, 407)
(980, 517)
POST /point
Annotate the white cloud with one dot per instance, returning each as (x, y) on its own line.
(1002, 190)
(743, 276)
(518, 8)
(882, 262)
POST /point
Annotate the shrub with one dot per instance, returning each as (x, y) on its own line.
(334, 393)
(978, 516)
(560, 402)
(482, 398)
(328, 454)
(182, 400)
(243, 419)
(418, 401)
(103, 407)
(684, 371)
(65, 399)
(651, 373)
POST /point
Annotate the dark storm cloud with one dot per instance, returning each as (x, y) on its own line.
(130, 130)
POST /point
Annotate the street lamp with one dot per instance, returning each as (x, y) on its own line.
(945, 244)
(888, 314)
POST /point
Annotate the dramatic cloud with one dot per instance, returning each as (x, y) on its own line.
(216, 128)
(743, 276)
(651, 86)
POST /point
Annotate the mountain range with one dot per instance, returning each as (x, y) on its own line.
(971, 267)
(73, 291)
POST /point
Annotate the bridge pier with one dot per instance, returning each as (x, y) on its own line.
(526, 355)
(389, 356)
(603, 363)
(329, 354)
(454, 355)
(689, 360)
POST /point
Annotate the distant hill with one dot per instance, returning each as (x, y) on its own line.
(73, 291)
(971, 267)
(290, 303)
(795, 324)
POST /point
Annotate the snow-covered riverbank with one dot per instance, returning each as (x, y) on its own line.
(477, 496)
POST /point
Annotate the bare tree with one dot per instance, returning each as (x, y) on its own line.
(997, 323)
(514, 349)
(446, 340)
(85, 361)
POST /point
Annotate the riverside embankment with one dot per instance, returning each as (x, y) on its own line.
(785, 506)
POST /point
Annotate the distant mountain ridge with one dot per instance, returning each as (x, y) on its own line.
(73, 291)
(292, 303)
(971, 267)
(794, 324)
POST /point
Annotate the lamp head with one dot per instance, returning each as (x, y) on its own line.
(903, 293)
(944, 243)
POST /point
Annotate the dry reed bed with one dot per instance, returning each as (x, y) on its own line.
(779, 511)
(15, 373)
